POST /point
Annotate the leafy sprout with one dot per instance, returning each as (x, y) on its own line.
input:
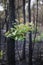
(18, 31)
(1, 54)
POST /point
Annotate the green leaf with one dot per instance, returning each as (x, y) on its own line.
(19, 31)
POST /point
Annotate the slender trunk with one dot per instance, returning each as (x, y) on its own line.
(30, 36)
(34, 14)
(0, 35)
(6, 20)
(37, 17)
(36, 25)
(24, 23)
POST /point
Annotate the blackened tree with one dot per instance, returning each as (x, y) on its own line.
(30, 35)
(11, 42)
(24, 23)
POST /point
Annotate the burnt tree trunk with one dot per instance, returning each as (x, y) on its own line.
(30, 36)
(11, 42)
(0, 36)
(24, 23)
(10, 51)
(11, 12)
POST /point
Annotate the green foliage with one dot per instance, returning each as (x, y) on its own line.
(18, 31)
(1, 54)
